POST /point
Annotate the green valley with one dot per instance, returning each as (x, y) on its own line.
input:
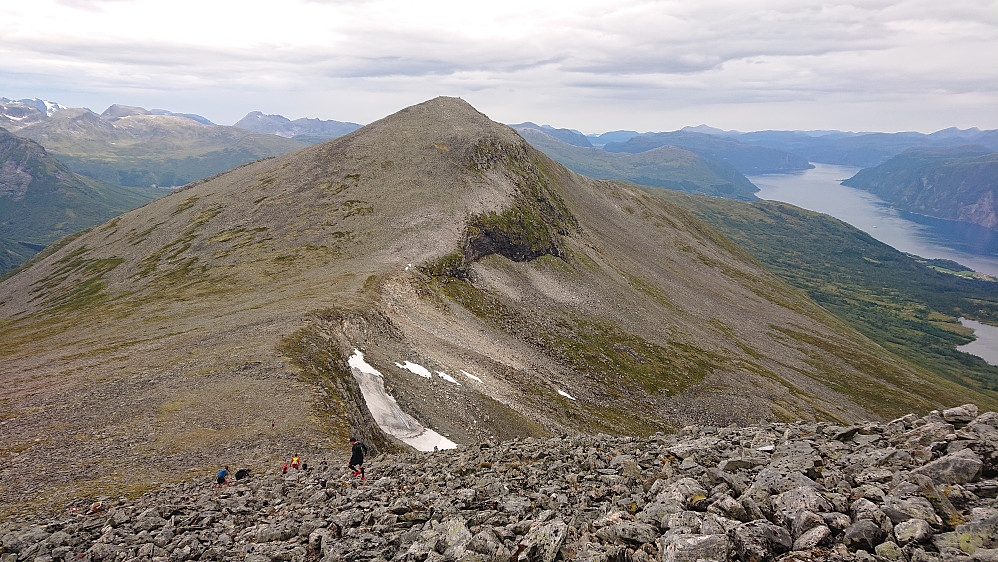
(904, 305)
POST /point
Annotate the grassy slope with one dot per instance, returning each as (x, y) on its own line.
(903, 305)
(158, 341)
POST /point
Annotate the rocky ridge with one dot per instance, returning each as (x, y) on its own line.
(910, 489)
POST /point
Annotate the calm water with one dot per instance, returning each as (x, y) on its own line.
(986, 344)
(819, 190)
(973, 246)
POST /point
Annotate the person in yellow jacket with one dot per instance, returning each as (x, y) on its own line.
(295, 462)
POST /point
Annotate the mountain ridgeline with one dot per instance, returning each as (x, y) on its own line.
(219, 324)
(664, 166)
(134, 147)
(305, 130)
(746, 158)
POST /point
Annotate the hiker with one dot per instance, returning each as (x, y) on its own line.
(242, 473)
(357, 453)
(284, 469)
(295, 462)
(220, 479)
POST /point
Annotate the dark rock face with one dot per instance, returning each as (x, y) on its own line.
(910, 489)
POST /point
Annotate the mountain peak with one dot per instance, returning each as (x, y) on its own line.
(308, 130)
(442, 110)
(118, 111)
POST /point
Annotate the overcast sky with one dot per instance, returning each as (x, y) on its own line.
(592, 65)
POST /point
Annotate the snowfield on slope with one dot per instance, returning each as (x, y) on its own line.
(389, 417)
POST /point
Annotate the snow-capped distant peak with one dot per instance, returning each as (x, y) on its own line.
(46, 107)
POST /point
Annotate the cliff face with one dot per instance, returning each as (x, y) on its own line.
(910, 489)
(955, 184)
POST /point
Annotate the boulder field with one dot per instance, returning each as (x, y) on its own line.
(915, 488)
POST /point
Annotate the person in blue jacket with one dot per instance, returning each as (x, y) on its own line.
(222, 474)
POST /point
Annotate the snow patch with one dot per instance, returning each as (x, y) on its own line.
(448, 378)
(415, 368)
(356, 361)
(429, 441)
(471, 376)
(386, 411)
(565, 394)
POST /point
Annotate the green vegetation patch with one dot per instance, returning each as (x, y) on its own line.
(184, 205)
(451, 266)
(878, 386)
(602, 350)
(81, 280)
(535, 221)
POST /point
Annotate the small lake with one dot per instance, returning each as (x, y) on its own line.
(986, 344)
(819, 190)
(973, 246)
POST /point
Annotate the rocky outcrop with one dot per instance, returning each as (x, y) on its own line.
(911, 489)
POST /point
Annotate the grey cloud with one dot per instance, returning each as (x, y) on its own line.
(647, 54)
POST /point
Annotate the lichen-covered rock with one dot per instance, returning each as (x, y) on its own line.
(912, 530)
(811, 538)
(960, 414)
(759, 540)
(694, 548)
(864, 534)
(957, 468)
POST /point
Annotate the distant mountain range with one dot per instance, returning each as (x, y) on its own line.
(117, 111)
(44, 107)
(665, 166)
(747, 159)
(935, 175)
(567, 136)
(306, 130)
(135, 147)
(959, 183)
(827, 146)
(861, 150)
(132, 146)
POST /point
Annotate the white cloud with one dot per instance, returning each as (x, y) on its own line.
(592, 65)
